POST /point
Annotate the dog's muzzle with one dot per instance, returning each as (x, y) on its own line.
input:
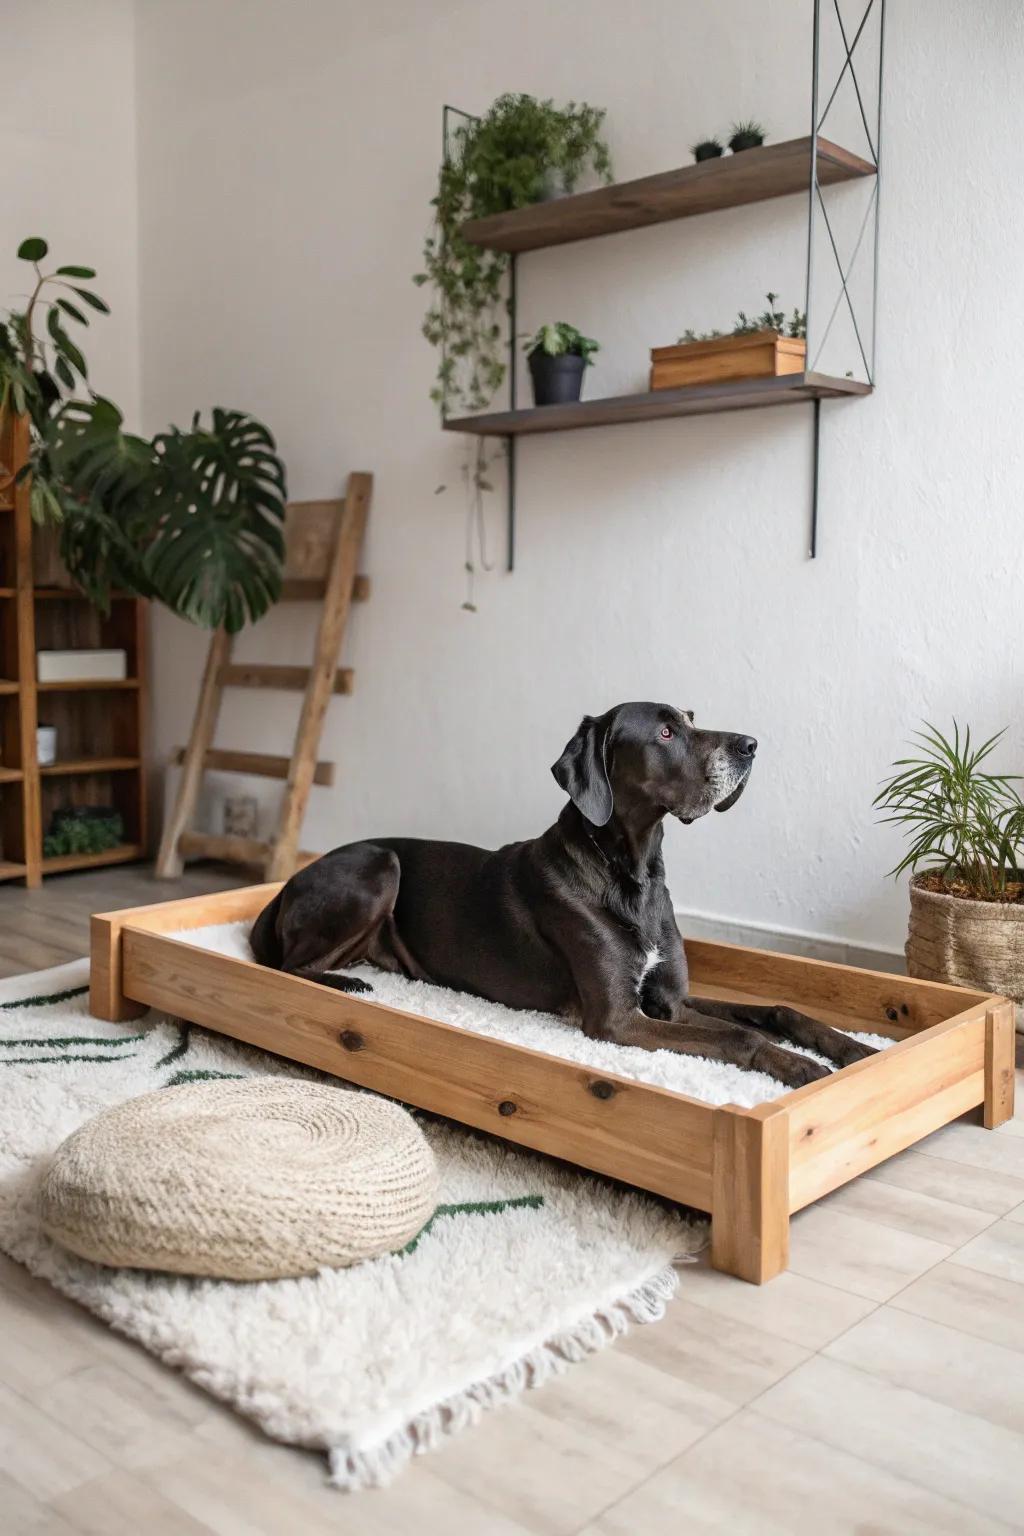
(730, 799)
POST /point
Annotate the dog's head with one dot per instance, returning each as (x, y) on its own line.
(652, 755)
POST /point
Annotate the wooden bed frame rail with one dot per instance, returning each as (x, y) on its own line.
(750, 1168)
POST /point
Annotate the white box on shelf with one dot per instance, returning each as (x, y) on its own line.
(81, 666)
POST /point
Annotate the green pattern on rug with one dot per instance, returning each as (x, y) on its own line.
(475, 1208)
(45, 999)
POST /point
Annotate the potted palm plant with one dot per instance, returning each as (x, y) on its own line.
(558, 354)
(965, 827)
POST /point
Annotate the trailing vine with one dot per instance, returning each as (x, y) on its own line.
(520, 151)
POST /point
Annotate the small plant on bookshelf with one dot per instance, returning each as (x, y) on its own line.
(707, 149)
(83, 829)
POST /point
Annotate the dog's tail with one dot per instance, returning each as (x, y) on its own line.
(264, 939)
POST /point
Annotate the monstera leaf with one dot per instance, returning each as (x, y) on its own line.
(217, 545)
(194, 518)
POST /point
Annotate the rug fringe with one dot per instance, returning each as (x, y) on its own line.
(375, 1466)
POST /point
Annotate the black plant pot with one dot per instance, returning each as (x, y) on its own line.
(556, 380)
(706, 152)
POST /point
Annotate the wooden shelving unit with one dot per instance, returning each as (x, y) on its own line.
(775, 170)
(100, 724)
(796, 166)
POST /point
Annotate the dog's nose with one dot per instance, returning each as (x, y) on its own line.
(746, 746)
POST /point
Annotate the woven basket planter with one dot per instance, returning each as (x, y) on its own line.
(970, 943)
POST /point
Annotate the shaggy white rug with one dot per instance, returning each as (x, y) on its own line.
(526, 1266)
(713, 1081)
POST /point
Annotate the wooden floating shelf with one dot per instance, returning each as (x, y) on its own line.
(63, 863)
(656, 404)
(88, 684)
(9, 871)
(89, 765)
(753, 176)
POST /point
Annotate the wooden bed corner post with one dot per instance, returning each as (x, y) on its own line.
(750, 1191)
(1000, 1054)
(106, 1000)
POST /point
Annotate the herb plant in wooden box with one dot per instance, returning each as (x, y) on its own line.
(763, 346)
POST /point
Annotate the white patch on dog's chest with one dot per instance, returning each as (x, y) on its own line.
(651, 958)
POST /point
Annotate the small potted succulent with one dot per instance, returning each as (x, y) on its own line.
(558, 354)
(747, 135)
(707, 149)
(966, 856)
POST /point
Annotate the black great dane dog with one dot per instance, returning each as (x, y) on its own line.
(577, 921)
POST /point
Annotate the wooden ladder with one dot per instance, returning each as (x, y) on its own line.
(323, 540)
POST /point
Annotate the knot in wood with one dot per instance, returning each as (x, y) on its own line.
(507, 1107)
(352, 1040)
(602, 1090)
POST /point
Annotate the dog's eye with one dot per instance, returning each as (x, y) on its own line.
(666, 734)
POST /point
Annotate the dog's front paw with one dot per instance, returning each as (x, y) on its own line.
(848, 1051)
(788, 1067)
(342, 983)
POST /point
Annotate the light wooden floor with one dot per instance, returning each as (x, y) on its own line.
(877, 1387)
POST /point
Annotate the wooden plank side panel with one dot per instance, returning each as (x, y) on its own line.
(198, 911)
(647, 1136)
(750, 1179)
(855, 1120)
(872, 998)
(1000, 1063)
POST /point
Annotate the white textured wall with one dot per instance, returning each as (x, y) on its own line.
(68, 165)
(288, 153)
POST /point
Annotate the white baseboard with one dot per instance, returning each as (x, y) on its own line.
(813, 946)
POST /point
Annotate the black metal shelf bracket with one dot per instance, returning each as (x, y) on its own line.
(816, 205)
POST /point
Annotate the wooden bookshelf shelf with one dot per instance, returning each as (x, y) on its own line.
(81, 765)
(99, 723)
(754, 176)
(89, 685)
(73, 595)
(657, 404)
(65, 862)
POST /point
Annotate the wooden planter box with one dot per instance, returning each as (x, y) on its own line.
(757, 355)
(750, 1168)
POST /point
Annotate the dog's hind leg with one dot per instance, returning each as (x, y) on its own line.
(333, 911)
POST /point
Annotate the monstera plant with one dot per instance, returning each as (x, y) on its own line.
(193, 518)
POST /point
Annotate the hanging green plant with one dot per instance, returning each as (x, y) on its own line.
(517, 153)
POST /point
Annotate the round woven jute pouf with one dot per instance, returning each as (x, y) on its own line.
(971, 943)
(252, 1180)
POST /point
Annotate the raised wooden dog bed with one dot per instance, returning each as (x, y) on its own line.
(750, 1168)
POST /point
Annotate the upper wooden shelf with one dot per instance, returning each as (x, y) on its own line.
(655, 404)
(774, 170)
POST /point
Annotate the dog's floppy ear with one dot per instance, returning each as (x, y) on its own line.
(582, 770)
